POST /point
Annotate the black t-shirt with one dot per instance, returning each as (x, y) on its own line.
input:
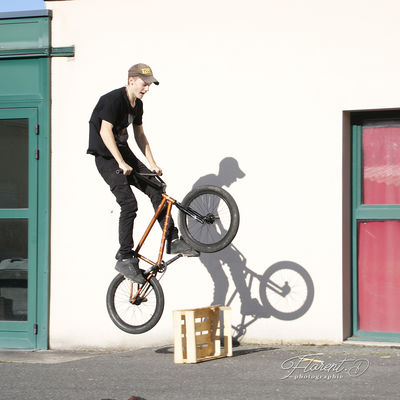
(115, 108)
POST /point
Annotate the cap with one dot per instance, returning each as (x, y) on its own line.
(144, 72)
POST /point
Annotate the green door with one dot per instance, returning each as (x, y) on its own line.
(376, 227)
(18, 227)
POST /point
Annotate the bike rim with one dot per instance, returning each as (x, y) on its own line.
(134, 314)
(295, 299)
(209, 204)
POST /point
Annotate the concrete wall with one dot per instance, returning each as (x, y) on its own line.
(263, 82)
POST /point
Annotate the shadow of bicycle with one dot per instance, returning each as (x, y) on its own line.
(286, 290)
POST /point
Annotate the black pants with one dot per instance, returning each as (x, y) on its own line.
(120, 186)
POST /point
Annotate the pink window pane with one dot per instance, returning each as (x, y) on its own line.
(379, 276)
(381, 164)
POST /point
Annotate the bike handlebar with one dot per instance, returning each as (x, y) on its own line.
(144, 176)
(120, 171)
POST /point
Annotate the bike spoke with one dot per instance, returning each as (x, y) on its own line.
(131, 313)
(209, 204)
(219, 222)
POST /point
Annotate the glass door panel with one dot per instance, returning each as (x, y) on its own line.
(381, 163)
(14, 144)
(379, 276)
(13, 269)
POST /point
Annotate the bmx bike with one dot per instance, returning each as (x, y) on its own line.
(208, 221)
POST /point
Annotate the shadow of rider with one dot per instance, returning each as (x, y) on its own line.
(229, 172)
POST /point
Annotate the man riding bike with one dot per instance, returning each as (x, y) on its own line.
(108, 142)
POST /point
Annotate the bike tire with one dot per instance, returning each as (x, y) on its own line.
(134, 318)
(221, 206)
(297, 301)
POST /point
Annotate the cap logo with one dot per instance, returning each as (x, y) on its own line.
(146, 71)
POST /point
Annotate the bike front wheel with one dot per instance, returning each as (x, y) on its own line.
(220, 215)
(135, 308)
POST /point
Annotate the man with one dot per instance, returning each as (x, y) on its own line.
(108, 142)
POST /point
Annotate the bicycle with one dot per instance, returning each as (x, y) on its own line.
(208, 221)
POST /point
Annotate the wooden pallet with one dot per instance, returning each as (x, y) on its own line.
(197, 334)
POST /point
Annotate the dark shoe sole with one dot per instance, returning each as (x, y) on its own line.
(132, 275)
(195, 254)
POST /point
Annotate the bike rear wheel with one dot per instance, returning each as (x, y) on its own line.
(136, 316)
(221, 215)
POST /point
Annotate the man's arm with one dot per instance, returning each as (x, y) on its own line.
(107, 135)
(144, 146)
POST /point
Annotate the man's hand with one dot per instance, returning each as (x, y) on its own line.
(126, 168)
(156, 169)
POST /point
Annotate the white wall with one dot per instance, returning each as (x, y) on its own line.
(262, 81)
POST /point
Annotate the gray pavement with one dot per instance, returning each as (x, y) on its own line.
(345, 371)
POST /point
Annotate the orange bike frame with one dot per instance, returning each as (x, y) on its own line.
(168, 201)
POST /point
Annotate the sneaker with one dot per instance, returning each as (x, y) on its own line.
(179, 246)
(130, 269)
